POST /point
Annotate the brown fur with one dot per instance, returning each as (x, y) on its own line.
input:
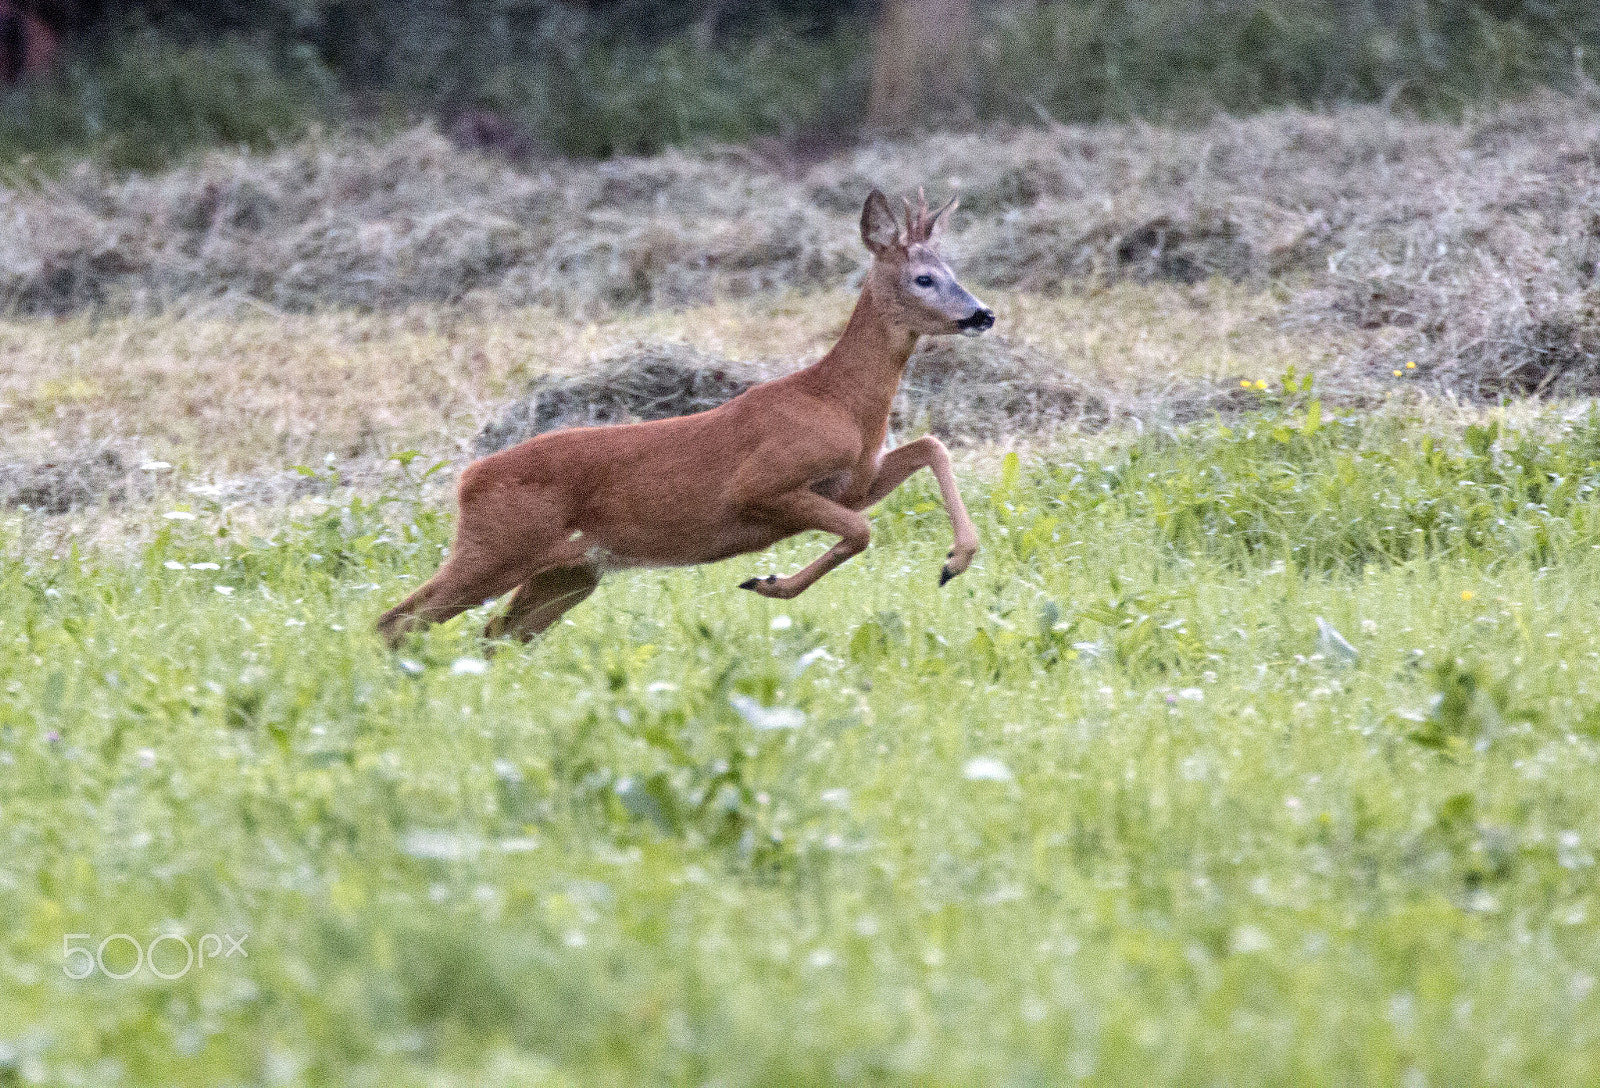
(550, 516)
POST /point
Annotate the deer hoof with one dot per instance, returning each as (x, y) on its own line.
(756, 583)
(945, 575)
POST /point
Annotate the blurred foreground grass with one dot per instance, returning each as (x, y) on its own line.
(1108, 809)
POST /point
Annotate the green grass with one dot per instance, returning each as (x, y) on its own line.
(1102, 810)
(144, 102)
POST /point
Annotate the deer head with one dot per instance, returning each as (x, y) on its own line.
(909, 280)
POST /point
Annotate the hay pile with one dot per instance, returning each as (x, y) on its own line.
(73, 480)
(963, 390)
(985, 388)
(1469, 247)
(1480, 258)
(343, 223)
(654, 381)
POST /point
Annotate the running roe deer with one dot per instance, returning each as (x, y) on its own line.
(548, 517)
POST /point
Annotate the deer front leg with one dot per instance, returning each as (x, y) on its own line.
(928, 452)
(795, 512)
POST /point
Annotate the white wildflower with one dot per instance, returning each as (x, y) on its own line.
(985, 769)
(439, 845)
(1249, 939)
(765, 718)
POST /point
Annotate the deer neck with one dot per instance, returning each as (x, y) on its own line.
(862, 371)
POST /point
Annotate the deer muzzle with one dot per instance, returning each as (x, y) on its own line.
(979, 321)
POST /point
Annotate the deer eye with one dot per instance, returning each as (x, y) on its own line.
(924, 280)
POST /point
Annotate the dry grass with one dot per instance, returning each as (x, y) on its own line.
(226, 394)
(248, 313)
(74, 479)
(644, 382)
(339, 223)
(1470, 248)
(221, 397)
(963, 391)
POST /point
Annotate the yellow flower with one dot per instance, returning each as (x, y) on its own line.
(1245, 383)
(1411, 366)
(1466, 594)
(1397, 373)
(1260, 384)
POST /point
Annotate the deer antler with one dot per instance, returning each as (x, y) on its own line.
(920, 223)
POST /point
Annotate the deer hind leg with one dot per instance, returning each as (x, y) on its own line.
(928, 452)
(497, 547)
(541, 600)
(796, 512)
(460, 584)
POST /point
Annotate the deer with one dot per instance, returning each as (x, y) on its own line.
(545, 520)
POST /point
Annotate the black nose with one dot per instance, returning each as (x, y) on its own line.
(981, 319)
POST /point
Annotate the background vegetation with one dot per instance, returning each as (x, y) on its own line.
(145, 81)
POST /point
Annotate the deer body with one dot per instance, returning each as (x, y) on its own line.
(550, 516)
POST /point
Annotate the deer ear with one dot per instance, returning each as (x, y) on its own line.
(941, 218)
(878, 229)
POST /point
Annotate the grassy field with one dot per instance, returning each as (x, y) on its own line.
(1108, 809)
(1257, 747)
